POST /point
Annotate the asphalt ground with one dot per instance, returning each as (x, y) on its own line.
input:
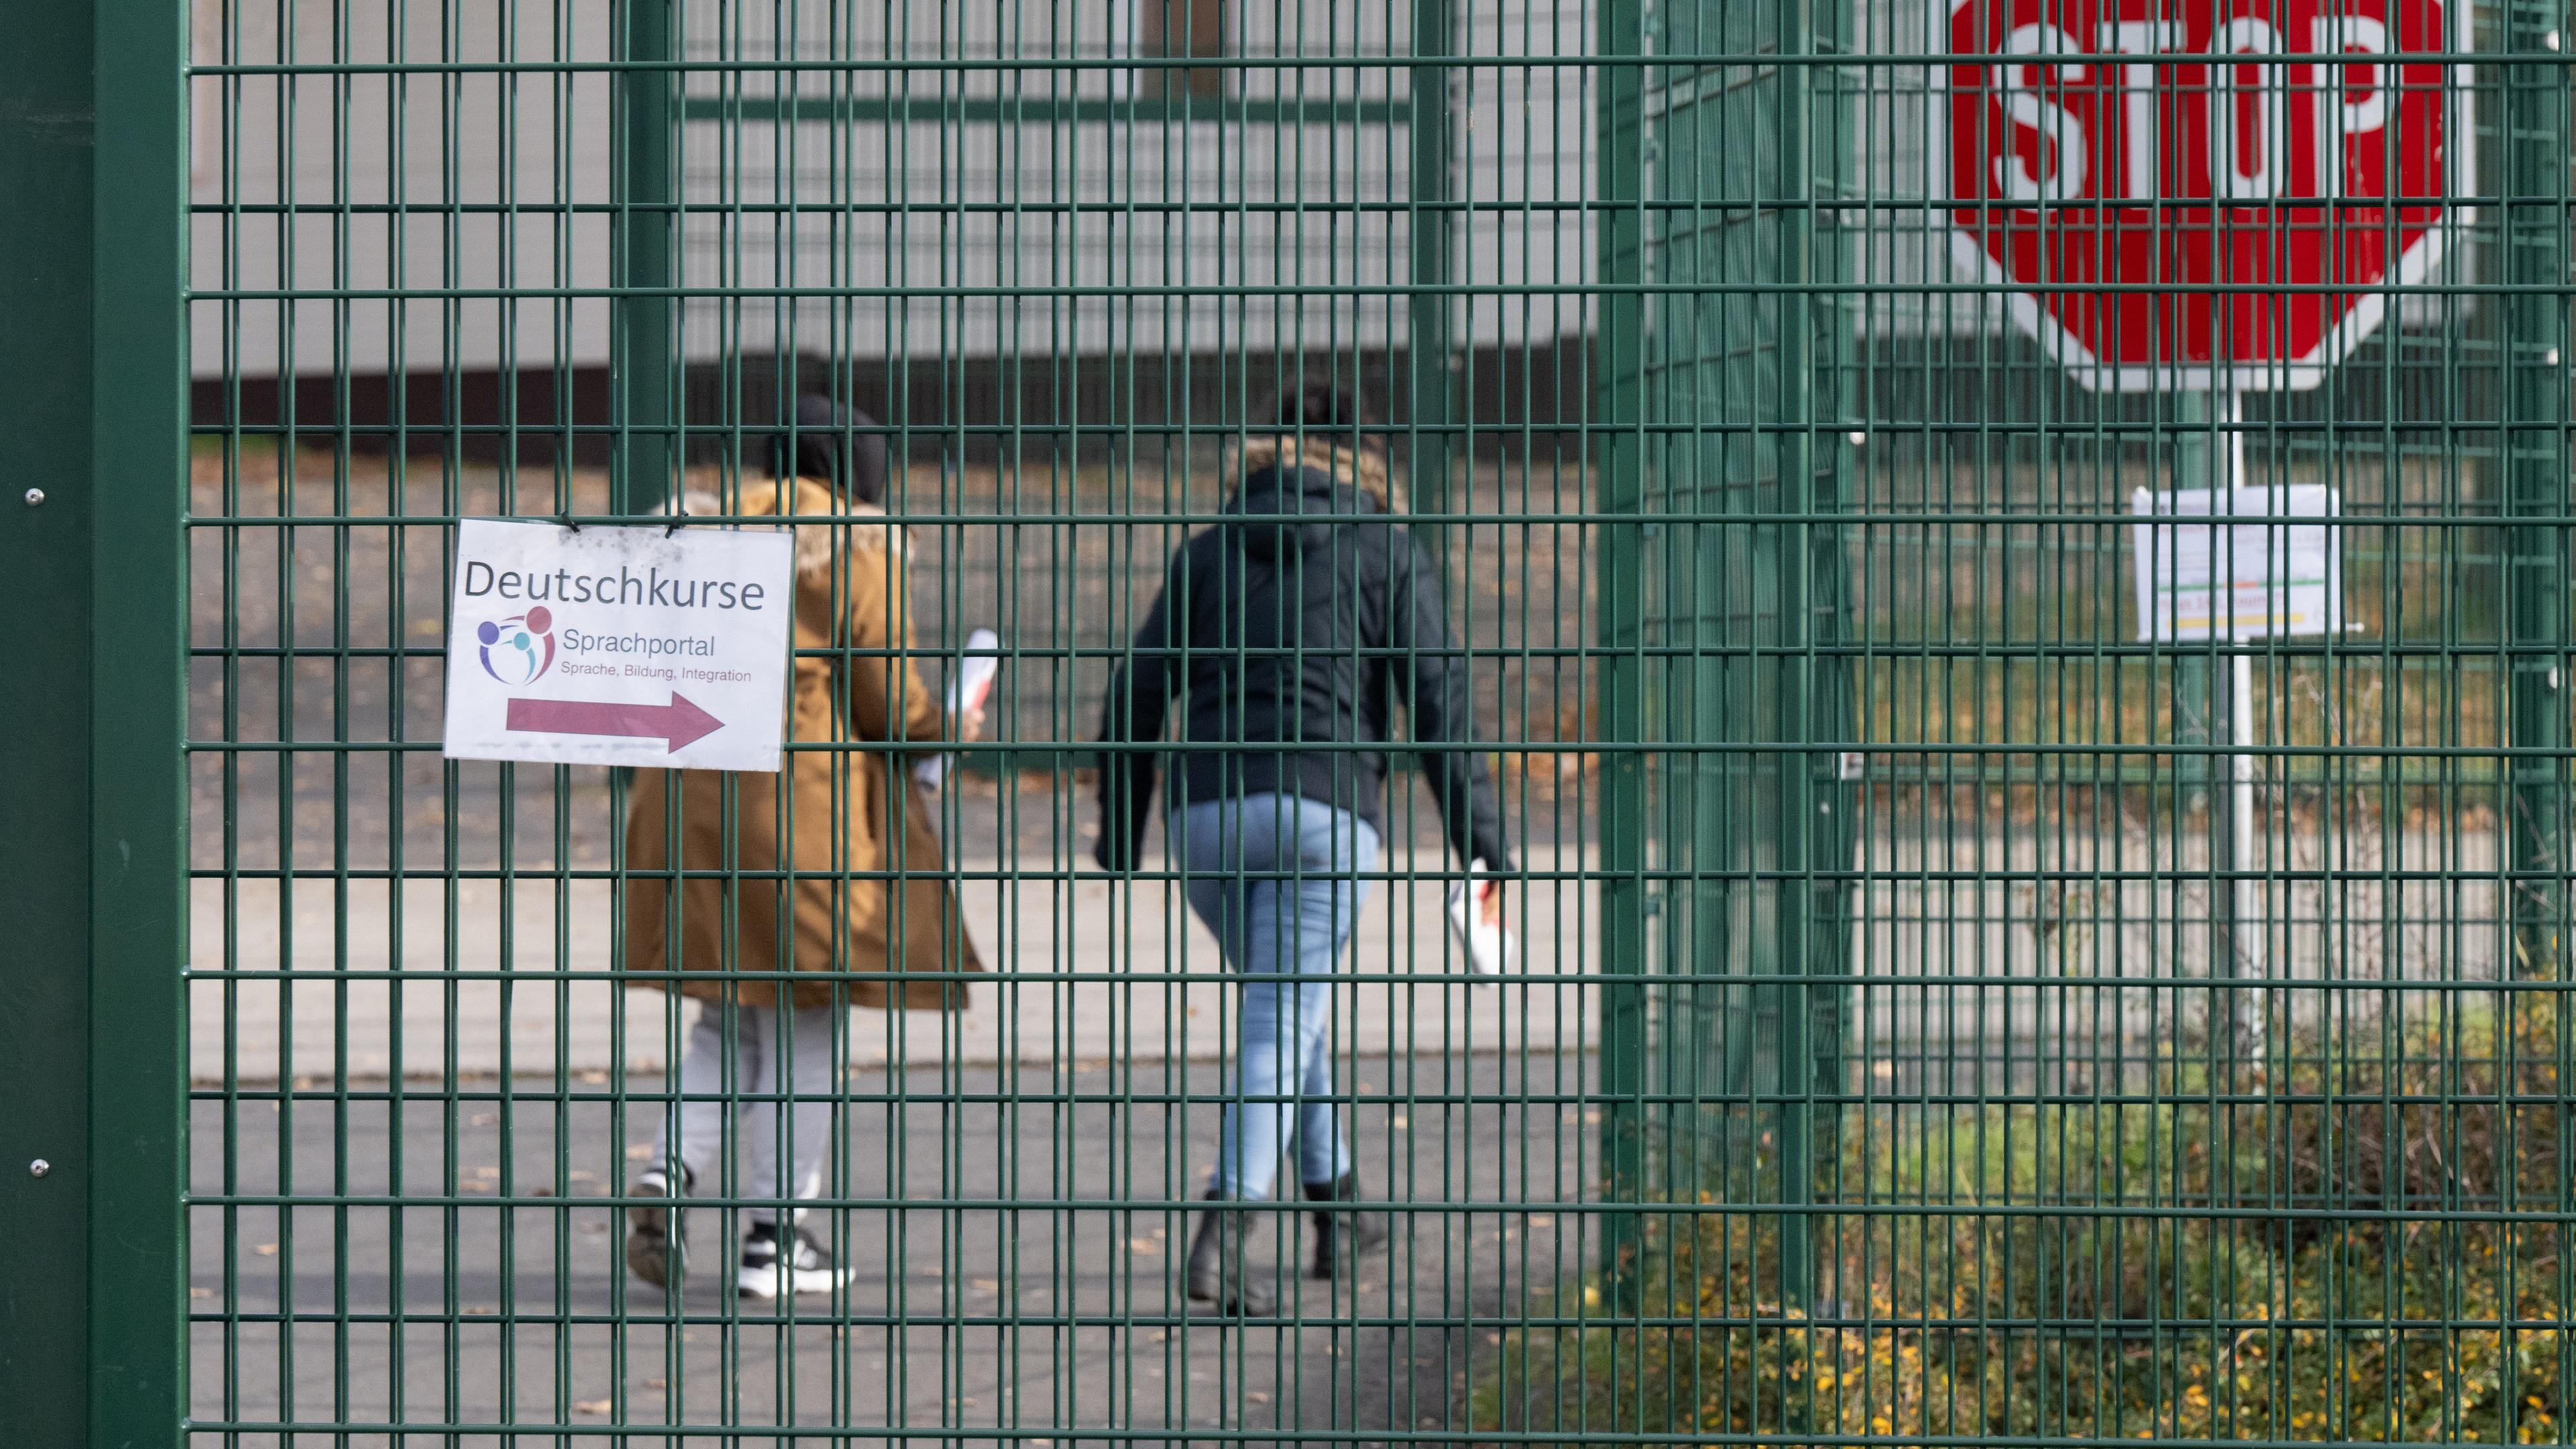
(1015, 1238)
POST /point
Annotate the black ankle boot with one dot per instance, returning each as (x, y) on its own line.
(1226, 1261)
(1342, 1234)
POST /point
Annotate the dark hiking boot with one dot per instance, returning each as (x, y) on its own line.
(1226, 1262)
(1342, 1234)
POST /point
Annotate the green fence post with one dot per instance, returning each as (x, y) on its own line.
(1815, 167)
(1620, 460)
(644, 388)
(44, 576)
(93, 462)
(1429, 384)
(1795, 459)
(2535, 464)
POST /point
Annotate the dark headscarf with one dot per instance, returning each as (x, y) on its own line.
(838, 445)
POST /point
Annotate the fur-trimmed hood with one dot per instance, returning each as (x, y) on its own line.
(1281, 511)
(867, 525)
(1359, 468)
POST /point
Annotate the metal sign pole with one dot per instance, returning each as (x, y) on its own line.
(2244, 916)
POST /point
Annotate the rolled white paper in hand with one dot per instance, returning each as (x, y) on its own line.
(1476, 915)
(968, 688)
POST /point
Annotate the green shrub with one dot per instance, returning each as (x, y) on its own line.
(2151, 1267)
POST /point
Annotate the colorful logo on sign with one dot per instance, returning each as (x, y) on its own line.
(520, 649)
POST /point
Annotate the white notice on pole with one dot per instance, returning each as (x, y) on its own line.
(2278, 570)
(619, 646)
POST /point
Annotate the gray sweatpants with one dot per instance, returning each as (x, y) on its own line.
(754, 1049)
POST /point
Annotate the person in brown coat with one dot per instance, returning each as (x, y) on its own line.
(830, 866)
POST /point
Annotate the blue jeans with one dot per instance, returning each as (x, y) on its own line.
(1284, 936)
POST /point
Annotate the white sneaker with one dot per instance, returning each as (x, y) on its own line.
(803, 1268)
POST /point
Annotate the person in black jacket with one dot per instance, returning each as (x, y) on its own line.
(1291, 631)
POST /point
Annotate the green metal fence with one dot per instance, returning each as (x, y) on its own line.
(1945, 1011)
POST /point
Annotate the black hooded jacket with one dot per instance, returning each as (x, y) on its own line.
(1299, 621)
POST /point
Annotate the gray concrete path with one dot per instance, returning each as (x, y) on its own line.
(1084, 972)
(1015, 1235)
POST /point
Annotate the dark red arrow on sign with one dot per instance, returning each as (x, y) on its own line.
(679, 723)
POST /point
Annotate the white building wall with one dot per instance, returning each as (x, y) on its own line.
(1086, 236)
(1101, 235)
(370, 180)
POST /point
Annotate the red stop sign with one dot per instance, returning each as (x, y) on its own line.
(2249, 206)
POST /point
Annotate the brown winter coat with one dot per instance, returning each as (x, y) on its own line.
(841, 804)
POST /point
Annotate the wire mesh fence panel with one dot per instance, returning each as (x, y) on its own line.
(1989, 580)
(581, 264)
(2098, 973)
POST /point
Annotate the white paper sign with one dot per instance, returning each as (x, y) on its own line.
(2278, 572)
(619, 646)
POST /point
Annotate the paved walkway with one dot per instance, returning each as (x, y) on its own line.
(1015, 1237)
(1020, 1178)
(1084, 973)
